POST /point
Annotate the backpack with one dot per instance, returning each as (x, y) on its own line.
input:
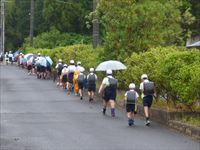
(148, 88)
(91, 79)
(80, 78)
(113, 82)
(60, 67)
(131, 97)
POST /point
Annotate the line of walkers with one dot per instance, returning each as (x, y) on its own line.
(73, 79)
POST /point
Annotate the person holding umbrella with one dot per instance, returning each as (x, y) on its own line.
(109, 88)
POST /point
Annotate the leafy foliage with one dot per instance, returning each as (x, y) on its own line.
(64, 15)
(174, 70)
(55, 38)
(135, 26)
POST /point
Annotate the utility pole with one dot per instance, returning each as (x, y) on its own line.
(31, 23)
(2, 25)
(95, 26)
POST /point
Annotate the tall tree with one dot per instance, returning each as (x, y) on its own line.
(135, 26)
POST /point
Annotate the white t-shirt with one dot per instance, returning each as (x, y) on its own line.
(64, 71)
(58, 65)
(72, 68)
(142, 87)
(137, 95)
(106, 80)
(80, 68)
(10, 55)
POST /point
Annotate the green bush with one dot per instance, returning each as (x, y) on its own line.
(176, 72)
(55, 38)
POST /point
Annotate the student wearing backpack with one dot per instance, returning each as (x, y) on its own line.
(131, 97)
(109, 88)
(64, 76)
(80, 80)
(59, 68)
(71, 71)
(148, 90)
(91, 80)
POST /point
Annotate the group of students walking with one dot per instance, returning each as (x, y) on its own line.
(73, 79)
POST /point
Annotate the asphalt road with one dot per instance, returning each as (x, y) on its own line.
(36, 115)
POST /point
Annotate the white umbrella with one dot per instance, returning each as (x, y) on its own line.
(49, 60)
(111, 64)
(42, 61)
(27, 56)
(196, 44)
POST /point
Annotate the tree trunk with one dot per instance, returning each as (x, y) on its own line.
(95, 26)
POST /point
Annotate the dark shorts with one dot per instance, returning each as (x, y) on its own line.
(147, 100)
(80, 86)
(48, 68)
(29, 67)
(10, 59)
(92, 88)
(38, 68)
(43, 69)
(59, 73)
(64, 78)
(109, 94)
(130, 107)
(70, 77)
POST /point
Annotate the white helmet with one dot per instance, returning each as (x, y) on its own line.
(38, 54)
(65, 65)
(144, 76)
(71, 61)
(60, 60)
(131, 86)
(109, 72)
(78, 63)
(81, 70)
(91, 69)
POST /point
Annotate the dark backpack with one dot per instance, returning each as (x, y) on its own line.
(60, 67)
(131, 97)
(113, 82)
(81, 78)
(149, 88)
(91, 79)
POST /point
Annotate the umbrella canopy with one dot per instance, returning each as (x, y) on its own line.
(49, 60)
(196, 44)
(28, 56)
(42, 61)
(16, 53)
(111, 64)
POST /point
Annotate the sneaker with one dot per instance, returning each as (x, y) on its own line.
(104, 111)
(90, 99)
(147, 123)
(130, 122)
(113, 112)
(81, 98)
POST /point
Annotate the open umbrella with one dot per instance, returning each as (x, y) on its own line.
(196, 44)
(42, 61)
(111, 64)
(28, 56)
(49, 60)
(16, 53)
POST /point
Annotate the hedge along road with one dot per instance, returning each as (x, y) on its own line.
(36, 115)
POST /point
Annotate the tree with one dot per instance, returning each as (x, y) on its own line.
(135, 26)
